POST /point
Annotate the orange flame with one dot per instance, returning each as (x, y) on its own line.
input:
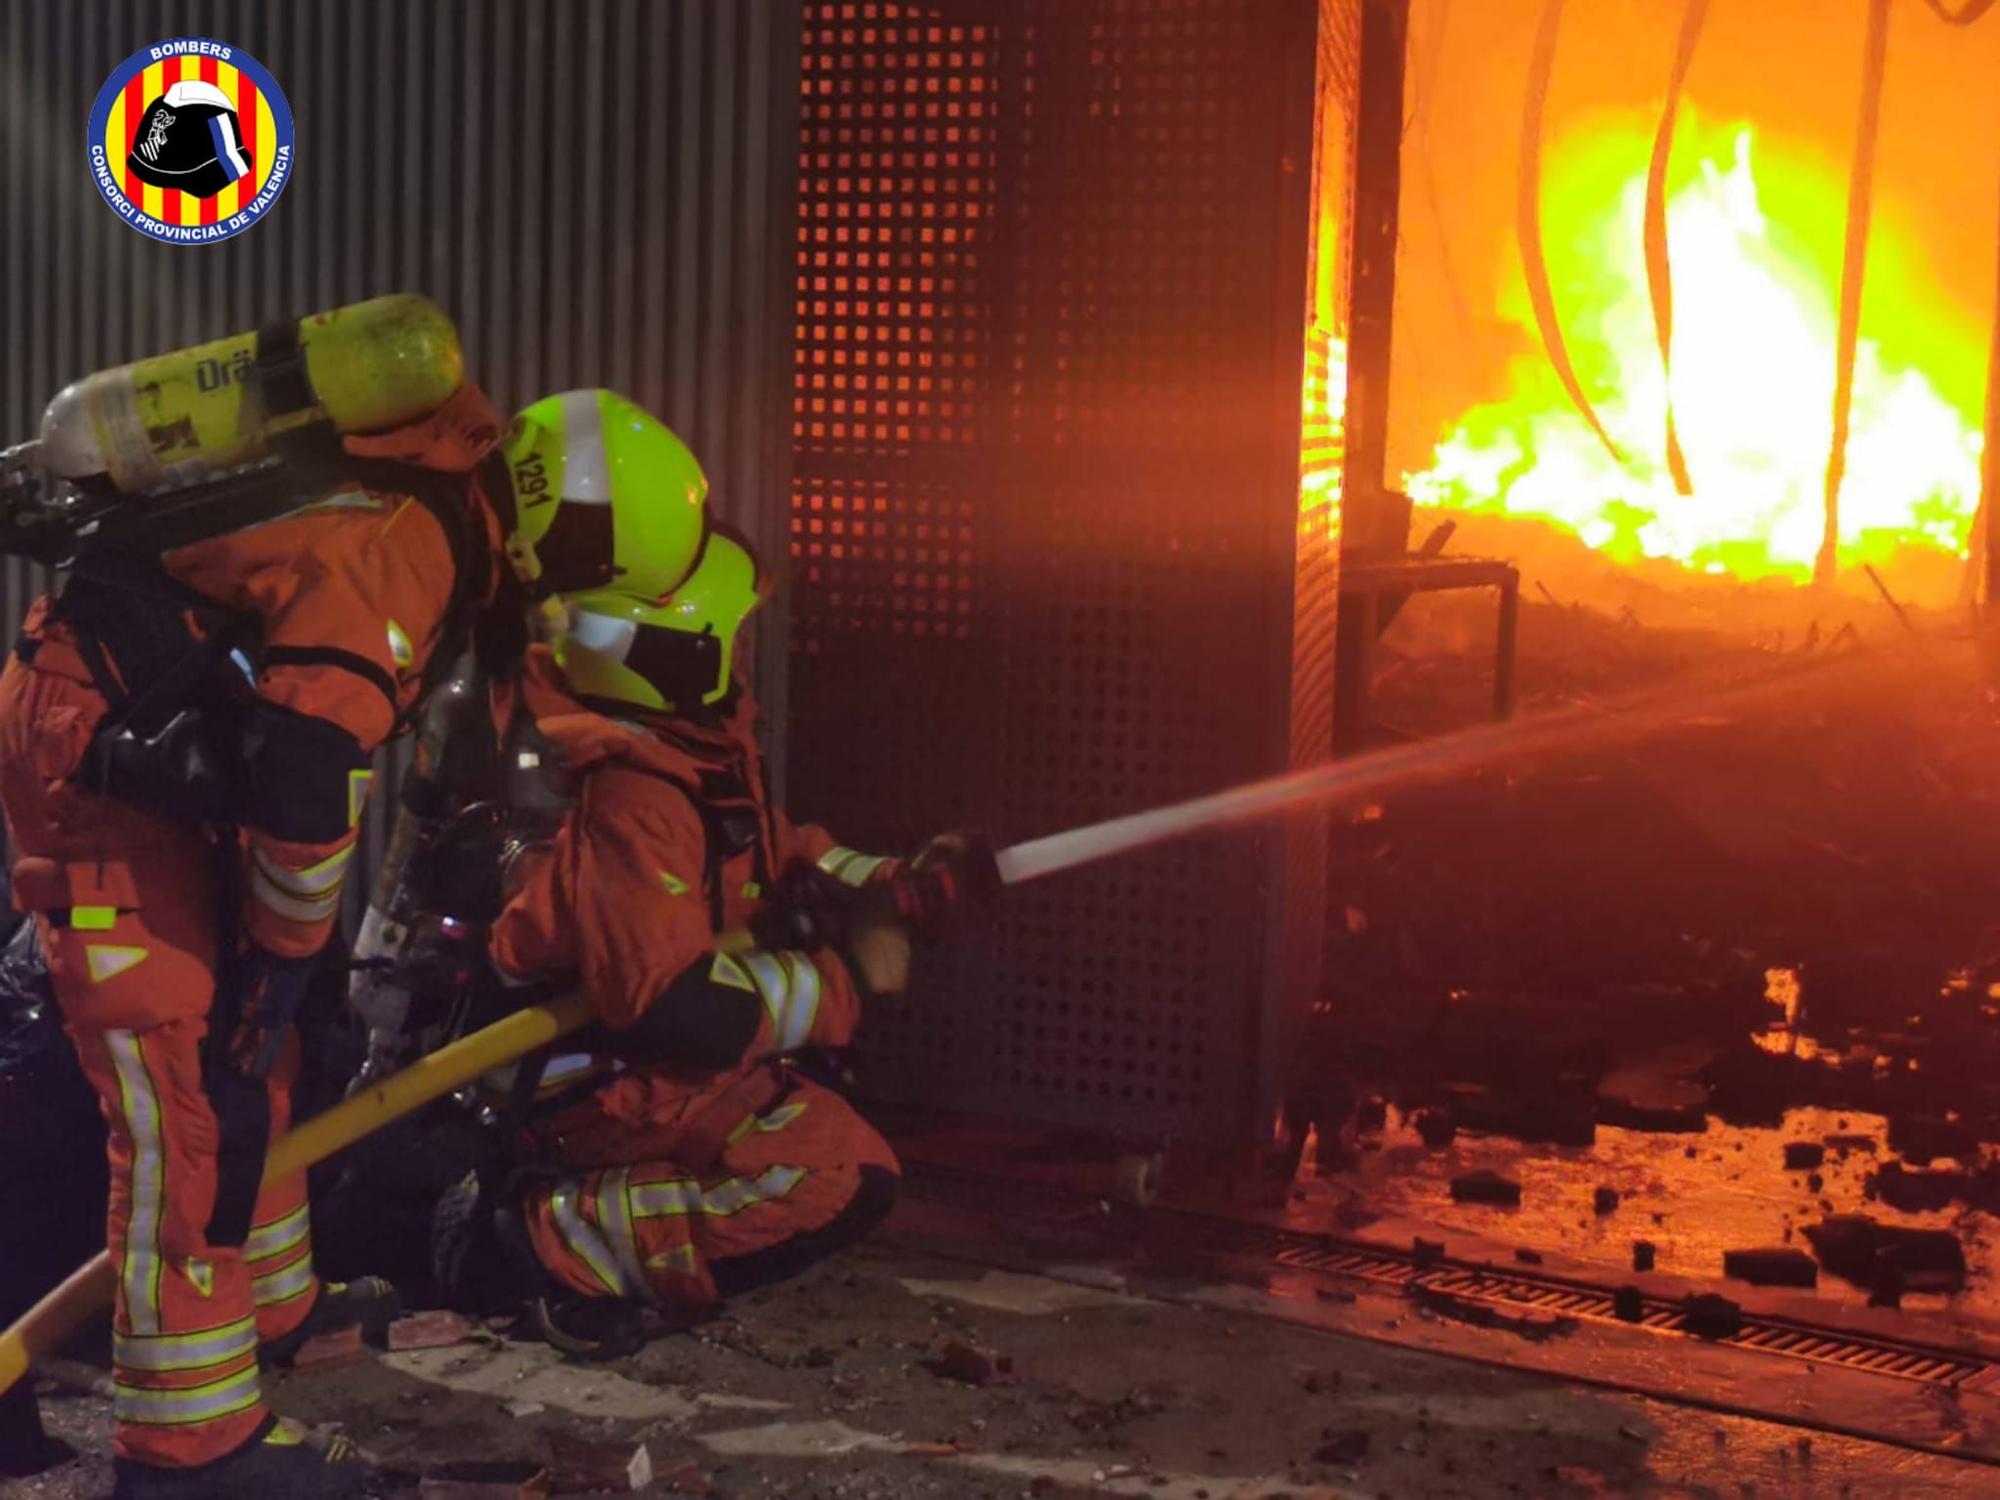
(1752, 381)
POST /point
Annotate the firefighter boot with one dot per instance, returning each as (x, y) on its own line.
(368, 1301)
(274, 1463)
(486, 1265)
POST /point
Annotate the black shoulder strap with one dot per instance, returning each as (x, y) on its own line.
(199, 514)
(449, 499)
(713, 852)
(280, 363)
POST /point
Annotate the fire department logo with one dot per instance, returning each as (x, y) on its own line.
(191, 140)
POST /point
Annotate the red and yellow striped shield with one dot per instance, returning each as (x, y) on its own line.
(217, 140)
(257, 127)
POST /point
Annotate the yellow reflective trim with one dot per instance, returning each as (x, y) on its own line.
(778, 1118)
(674, 884)
(769, 975)
(284, 1285)
(201, 1403)
(614, 1216)
(583, 1241)
(139, 1267)
(769, 1124)
(108, 961)
(789, 984)
(850, 866)
(358, 784)
(313, 880)
(401, 652)
(751, 890)
(653, 1200)
(726, 970)
(802, 995)
(185, 1351)
(200, 1275)
(730, 1198)
(665, 1200)
(273, 1240)
(293, 908)
(93, 918)
(681, 1258)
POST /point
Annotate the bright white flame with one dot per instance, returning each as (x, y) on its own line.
(1753, 376)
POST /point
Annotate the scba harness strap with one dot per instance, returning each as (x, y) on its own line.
(136, 624)
(127, 555)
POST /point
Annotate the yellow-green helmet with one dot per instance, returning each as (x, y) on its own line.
(670, 655)
(605, 496)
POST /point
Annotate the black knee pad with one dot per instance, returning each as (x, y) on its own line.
(874, 1196)
(242, 1109)
(872, 1201)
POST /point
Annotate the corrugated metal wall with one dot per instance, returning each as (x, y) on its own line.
(587, 185)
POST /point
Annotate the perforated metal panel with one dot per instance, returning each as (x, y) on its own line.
(1050, 558)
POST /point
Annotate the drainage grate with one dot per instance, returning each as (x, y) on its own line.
(1535, 1294)
(1514, 1291)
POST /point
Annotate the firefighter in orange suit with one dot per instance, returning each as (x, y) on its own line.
(705, 1162)
(184, 760)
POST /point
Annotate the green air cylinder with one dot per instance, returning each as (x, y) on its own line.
(180, 418)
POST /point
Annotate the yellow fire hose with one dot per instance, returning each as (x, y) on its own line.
(44, 1327)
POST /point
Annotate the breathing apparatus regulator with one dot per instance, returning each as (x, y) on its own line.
(183, 446)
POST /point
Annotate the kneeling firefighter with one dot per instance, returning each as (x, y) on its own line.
(292, 534)
(681, 1150)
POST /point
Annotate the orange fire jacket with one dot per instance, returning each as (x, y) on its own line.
(629, 896)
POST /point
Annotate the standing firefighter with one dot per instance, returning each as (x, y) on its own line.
(185, 741)
(685, 1155)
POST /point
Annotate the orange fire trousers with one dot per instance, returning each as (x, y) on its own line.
(208, 1263)
(800, 1178)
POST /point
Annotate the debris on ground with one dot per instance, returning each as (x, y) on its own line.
(479, 1480)
(1653, 1100)
(1918, 1190)
(1486, 1187)
(971, 1364)
(1479, 1315)
(1090, 1414)
(1436, 1128)
(1554, 1116)
(582, 1465)
(1859, 1249)
(1628, 1304)
(430, 1330)
(1605, 1200)
(1343, 1450)
(1921, 1138)
(1771, 1266)
(328, 1351)
(1710, 1316)
(1644, 1252)
(686, 1478)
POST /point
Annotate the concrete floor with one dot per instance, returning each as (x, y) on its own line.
(820, 1389)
